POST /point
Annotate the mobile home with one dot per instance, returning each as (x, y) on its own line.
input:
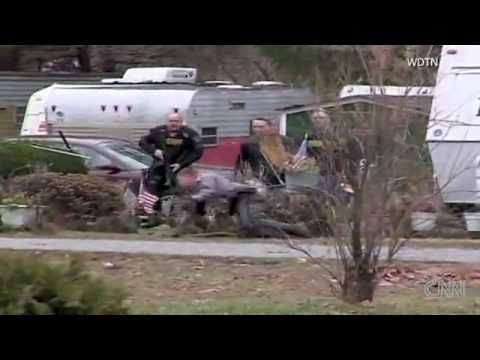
(221, 112)
(416, 102)
(454, 131)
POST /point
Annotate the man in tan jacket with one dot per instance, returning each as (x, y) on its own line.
(267, 152)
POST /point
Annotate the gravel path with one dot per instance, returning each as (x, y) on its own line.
(212, 249)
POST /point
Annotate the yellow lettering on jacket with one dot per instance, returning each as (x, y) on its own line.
(316, 143)
(174, 142)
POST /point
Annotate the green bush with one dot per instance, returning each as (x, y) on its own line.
(23, 158)
(30, 286)
(5, 229)
(16, 199)
(77, 194)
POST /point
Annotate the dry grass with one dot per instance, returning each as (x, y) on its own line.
(175, 285)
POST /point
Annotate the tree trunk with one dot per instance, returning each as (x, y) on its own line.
(356, 239)
(83, 55)
(359, 284)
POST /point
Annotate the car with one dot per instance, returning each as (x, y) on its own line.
(111, 158)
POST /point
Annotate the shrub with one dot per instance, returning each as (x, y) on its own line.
(77, 194)
(30, 286)
(23, 158)
(5, 229)
(16, 199)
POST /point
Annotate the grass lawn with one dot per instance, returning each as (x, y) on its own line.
(405, 305)
(177, 285)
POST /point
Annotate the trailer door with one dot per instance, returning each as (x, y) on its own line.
(298, 125)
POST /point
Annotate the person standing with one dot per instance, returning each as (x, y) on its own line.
(267, 152)
(174, 147)
(336, 156)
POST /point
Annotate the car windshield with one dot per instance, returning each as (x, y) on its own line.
(131, 156)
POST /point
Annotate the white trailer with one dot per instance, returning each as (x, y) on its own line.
(144, 97)
(220, 111)
(453, 134)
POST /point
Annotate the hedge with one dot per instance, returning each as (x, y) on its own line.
(32, 286)
(21, 158)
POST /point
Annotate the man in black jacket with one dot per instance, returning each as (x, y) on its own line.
(339, 157)
(174, 147)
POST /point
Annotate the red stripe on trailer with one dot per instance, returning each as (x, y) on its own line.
(225, 154)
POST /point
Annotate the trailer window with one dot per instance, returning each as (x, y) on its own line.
(358, 107)
(210, 136)
(299, 124)
(237, 106)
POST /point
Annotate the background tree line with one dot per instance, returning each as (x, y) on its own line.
(325, 68)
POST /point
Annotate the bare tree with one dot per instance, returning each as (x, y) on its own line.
(83, 56)
(390, 179)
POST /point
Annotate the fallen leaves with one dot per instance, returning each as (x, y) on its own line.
(385, 284)
(404, 276)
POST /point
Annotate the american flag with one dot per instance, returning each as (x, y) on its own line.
(147, 200)
(302, 153)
